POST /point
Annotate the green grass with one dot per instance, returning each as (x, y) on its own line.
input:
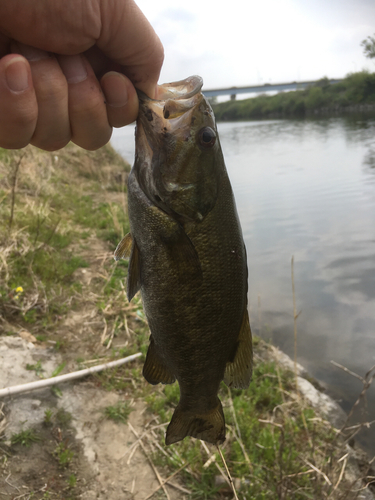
(25, 438)
(48, 414)
(63, 454)
(54, 209)
(63, 417)
(37, 368)
(274, 430)
(119, 412)
(118, 271)
(72, 481)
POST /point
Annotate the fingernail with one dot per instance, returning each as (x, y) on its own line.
(114, 88)
(73, 68)
(16, 75)
(32, 53)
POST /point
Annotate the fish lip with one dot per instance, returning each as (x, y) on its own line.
(183, 89)
(172, 112)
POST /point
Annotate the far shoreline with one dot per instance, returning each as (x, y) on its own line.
(354, 94)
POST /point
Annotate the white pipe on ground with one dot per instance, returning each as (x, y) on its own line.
(31, 386)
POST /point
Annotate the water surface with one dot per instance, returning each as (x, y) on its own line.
(307, 188)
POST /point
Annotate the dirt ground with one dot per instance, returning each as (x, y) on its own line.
(101, 462)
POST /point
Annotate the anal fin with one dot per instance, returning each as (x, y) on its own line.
(238, 372)
(155, 370)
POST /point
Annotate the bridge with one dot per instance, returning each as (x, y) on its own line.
(267, 87)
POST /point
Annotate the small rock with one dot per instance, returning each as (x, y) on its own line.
(222, 482)
(24, 334)
(88, 495)
(322, 402)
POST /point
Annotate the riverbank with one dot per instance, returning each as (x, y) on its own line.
(356, 93)
(63, 307)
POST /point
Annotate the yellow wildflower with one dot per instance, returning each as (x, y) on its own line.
(19, 289)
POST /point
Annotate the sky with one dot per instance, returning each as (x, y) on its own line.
(249, 42)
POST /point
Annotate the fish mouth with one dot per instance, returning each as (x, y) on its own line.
(183, 89)
(173, 100)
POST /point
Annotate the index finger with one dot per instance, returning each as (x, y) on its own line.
(128, 39)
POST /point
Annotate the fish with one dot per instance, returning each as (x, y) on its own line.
(188, 258)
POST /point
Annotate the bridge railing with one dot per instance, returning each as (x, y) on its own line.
(267, 87)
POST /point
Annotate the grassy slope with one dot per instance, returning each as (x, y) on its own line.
(356, 89)
(69, 212)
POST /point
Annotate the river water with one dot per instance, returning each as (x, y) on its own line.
(306, 188)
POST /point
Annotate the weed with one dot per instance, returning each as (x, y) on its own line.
(30, 316)
(56, 391)
(63, 454)
(48, 414)
(72, 481)
(119, 412)
(58, 345)
(63, 417)
(59, 369)
(118, 271)
(37, 368)
(25, 438)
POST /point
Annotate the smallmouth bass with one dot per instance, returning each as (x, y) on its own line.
(188, 258)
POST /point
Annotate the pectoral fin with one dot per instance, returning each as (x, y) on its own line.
(238, 372)
(184, 255)
(155, 370)
(124, 248)
(134, 272)
(128, 249)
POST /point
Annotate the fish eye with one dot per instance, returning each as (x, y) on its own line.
(206, 137)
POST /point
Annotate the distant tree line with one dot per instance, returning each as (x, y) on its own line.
(356, 91)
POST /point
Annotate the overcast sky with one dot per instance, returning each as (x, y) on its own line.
(241, 42)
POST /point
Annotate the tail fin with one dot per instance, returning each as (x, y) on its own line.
(209, 426)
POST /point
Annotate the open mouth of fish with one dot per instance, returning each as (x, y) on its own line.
(174, 99)
(172, 112)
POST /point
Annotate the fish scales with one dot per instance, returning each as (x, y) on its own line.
(189, 260)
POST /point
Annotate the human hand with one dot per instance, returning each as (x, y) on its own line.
(69, 68)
